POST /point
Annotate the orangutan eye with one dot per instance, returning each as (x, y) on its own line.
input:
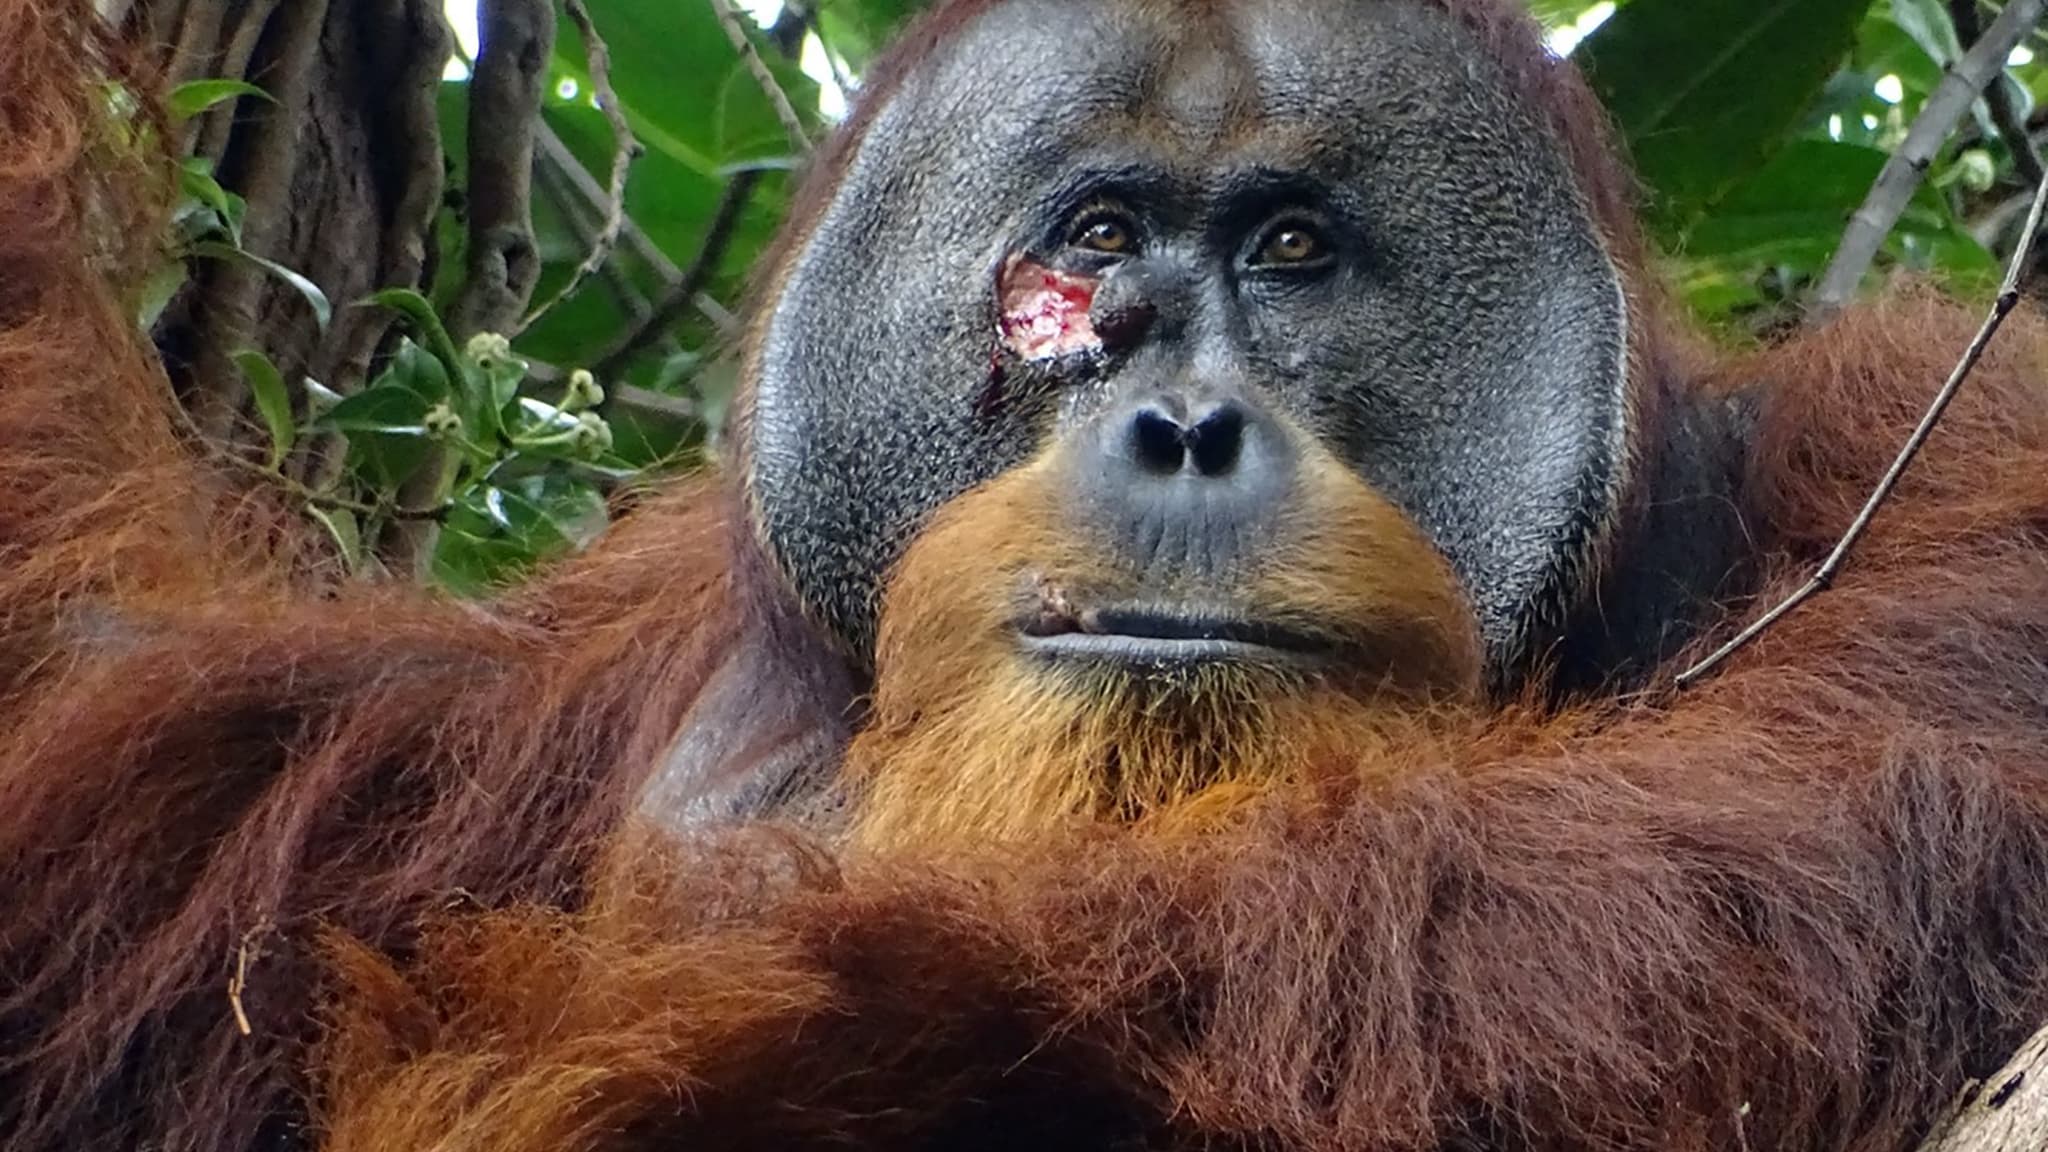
(1103, 231)
(1293, 244)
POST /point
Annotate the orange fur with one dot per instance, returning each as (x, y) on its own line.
(1790, 909)
(971, 740)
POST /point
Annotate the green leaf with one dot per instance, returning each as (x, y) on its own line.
(273, 400)
(494, 533)
(386, 461)
(672, 204)
(190, 99)
(387, 435)
(1794, 209)
(473, 565)
(417, 371)
(670, 63)
(342, 528)
(323, 312)
(195, 180)
(320, 399)
(163, 284)
(857, 30)
(1705, 90)
(575, 509)
(1803, 198)
(1790, 215)
(1882, 46)
(425, 321)
(540, 417)
(387, 408)
(1928, 23)
(524, 521)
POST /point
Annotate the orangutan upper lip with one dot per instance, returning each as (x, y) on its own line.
(1150, 634)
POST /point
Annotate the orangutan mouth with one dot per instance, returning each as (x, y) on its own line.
(1158, 635)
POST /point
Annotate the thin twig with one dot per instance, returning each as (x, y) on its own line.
(2008, 298)
(577, 218)
(680, 295)
(213, 449)
(846, 83)
(245, 954)
(305, 495)
(2012, 127)
(1907, 166)
(626, 149)
(729, 16)
(563, 163)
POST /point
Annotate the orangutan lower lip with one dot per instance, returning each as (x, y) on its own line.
(1163, 636)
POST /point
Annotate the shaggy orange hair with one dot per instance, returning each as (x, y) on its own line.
(1791, 908)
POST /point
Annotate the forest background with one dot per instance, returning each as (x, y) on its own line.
(453, 278)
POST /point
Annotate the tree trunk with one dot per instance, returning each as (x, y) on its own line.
(342, 174)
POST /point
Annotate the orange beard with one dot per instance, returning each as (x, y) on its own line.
(973, 740)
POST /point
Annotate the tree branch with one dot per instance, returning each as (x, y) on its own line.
(2006, 1113)
(579, 219)
(408, 114)
(410, 118)
(234, 291)
(729, 17)
(218, 125)
(2008, 298)
(504, 106)
(2005, 116)
(1908, 165)
(579, 180)
(627, 149)
(682, 293)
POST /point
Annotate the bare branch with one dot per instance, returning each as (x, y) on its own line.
(626, 149)
(584, 226)
(1907, 166)
(2006, 1113)
(681, 294)
(2008, 298)
(217, 126)
(565, 164)
(2012, 127)
(198, 37)
(579, 180)
(729, 16)
(504, 105)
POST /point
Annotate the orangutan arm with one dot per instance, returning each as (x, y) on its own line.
(1792, 908)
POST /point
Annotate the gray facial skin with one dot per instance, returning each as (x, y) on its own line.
(1463, 347)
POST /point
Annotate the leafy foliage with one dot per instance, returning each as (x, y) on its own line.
(1757, 126)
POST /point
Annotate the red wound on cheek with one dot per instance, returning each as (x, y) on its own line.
(1045, 312)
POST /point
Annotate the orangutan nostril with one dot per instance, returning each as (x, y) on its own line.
(1157, 441)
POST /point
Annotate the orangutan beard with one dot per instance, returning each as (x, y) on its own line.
(972, 739)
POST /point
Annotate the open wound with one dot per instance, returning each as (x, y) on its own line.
(1045, 311)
